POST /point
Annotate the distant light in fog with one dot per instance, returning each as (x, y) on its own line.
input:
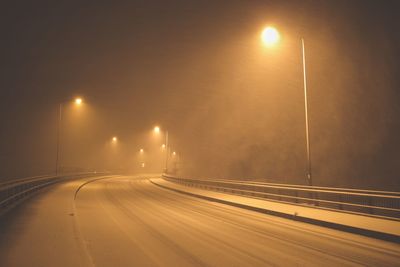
(157, 129)
(78, 101)
(114, 139)
(142, 164)
(141, 150)
(270, 36)
(174, 153)
(163, 146)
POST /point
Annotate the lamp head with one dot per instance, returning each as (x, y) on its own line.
(270, 36)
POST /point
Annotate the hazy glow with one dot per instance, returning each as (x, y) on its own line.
(174, 153)
(114, 139)
(142, 164)
(141, 150)
(163, 146)
(78, 101)
(157, 129)
(270, 36)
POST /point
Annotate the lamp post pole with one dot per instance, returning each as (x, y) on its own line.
(166, 151)
(78, 102)
(58, 136)
(309, 176)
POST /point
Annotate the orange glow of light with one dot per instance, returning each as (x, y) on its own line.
(141, 150)
(78, 101)
(114, 139)
(174, 153)
(142, 164)
(270, 36)
(163, 146)
(157, 129)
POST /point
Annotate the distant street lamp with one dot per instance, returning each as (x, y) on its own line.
(114, 139)
(166, 146)
(175, 161)
(271, 36)
(78, 102)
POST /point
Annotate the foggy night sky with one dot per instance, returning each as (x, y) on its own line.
(234, 108)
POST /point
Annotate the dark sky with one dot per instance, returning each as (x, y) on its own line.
(233, 107)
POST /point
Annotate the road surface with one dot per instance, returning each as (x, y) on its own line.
(129, 221)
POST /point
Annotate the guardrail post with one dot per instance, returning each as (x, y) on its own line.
(371, 209)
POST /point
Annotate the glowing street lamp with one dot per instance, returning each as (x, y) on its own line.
(271, 36)
(165, 146)
(78, 101)
(114, 139)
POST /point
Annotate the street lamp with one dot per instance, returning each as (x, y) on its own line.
(271, 36)
(141, 158)
(78, 102)
(166, 145)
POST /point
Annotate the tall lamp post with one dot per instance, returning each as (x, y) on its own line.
(78, 102)
(271, 36)
(141, 158)
(157, 131)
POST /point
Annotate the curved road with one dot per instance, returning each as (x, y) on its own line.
(129, 221)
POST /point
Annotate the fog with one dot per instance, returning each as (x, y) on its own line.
(233, 107)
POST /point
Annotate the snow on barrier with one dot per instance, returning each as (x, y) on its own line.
(14, 191)
(382, 204)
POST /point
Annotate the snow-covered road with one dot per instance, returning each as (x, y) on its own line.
(128, 221)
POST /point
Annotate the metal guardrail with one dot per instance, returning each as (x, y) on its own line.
(383, 204)
(13, 191)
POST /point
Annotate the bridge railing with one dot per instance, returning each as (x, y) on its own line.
(13, 191)
(384, 204)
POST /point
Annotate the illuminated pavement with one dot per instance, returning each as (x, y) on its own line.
(128, 221)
